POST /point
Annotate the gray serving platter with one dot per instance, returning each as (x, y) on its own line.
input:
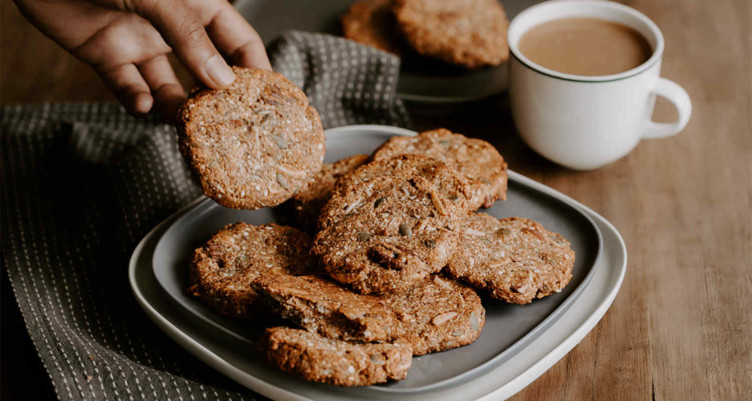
(420, 80)
(509, 328)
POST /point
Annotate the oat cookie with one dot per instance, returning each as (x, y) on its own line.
(305, 205)
(319, 305)
(475, 160)
(514, 259)
(223, 268)
(469, 33)
(390, 223)
(371, 22)
(437, 315)
(253, 144)
(337, 362)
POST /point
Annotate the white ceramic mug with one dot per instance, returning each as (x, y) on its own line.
(585, 122)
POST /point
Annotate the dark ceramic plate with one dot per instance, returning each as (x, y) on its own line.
(420, 80)
(508, 328)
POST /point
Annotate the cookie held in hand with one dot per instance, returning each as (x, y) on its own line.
(253, 144)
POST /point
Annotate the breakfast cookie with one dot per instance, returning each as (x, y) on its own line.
(371, 22)
(319, 305)
(253, 144)
(475, 160)
(514, 259)
(437, 315)
(337, 362)
(469, 33)
(305, 205)
(390, 223)
(223, 268)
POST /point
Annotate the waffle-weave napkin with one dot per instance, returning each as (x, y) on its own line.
(83, 183)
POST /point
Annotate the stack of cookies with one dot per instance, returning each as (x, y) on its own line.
(388, 250)
(466, 33)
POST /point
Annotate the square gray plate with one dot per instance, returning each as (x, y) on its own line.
(419, 80)
(508, 328)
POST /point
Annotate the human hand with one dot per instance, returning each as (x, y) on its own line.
(127, 43)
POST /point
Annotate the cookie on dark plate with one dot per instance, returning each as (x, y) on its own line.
(337, 362)
(468, 33)
(390, 223)
(438, 314)
(475, 160)
(513, 259)
(319, 305)
(435, 315)
(371, 22)
(224, 267)
(253, 144)
(305, 205)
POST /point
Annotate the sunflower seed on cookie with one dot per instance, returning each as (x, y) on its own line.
(513, 259)
(475, 160)
(337, 362)
(253, 144)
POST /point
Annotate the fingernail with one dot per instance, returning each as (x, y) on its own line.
(219, 72)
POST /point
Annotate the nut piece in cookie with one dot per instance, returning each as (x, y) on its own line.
(468, 33)
(475, 160)
(305, 205)
(319, 305)
(371, 22)
(514, 259)
(253, 144)
(223, 269)
(437, 315)
(337, 362)
(390, 223)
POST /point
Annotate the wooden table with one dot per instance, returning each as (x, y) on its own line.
(681, 327)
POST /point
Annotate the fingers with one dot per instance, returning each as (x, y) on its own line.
(188, 39)
(129, 87)
(235, 37)
(167, 91)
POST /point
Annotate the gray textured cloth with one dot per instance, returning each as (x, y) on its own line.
(83, 183)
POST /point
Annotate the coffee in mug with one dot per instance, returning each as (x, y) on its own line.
(585, 46)
(598, 111)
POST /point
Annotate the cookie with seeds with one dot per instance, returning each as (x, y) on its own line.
(253, 144)
(438, 314)
(468, 33)
(371, 22)
(475, 160)
(319, 305)
(390, 223)
(514, 259)
(305, 205)
(224, 267)
(330, 361)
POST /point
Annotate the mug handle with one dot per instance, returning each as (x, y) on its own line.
(679, 97)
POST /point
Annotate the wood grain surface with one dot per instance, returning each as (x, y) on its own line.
(681, 326)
